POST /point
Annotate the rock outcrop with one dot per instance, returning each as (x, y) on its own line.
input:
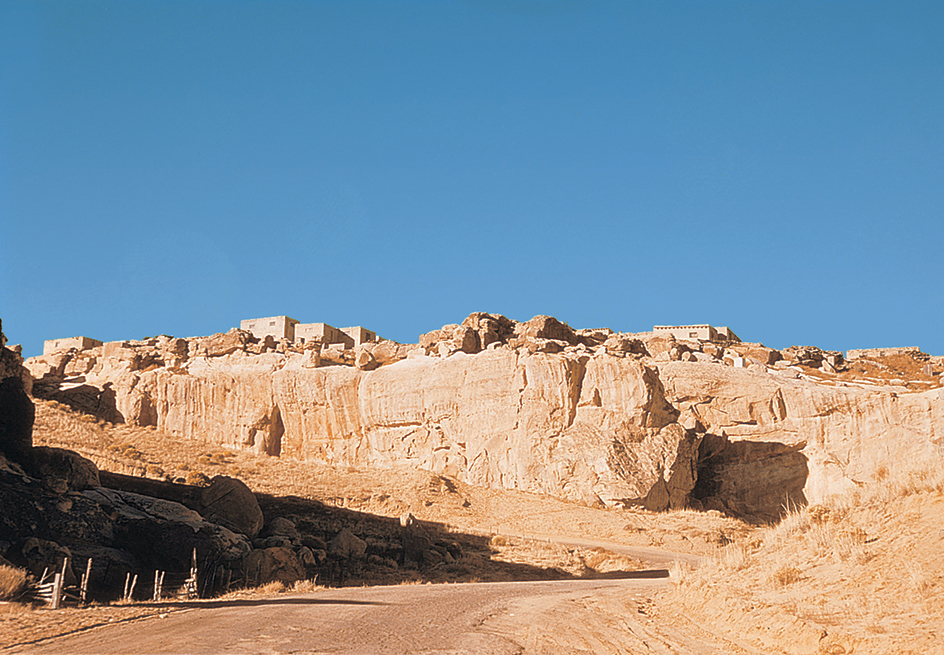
(585, 415)
(797, 436)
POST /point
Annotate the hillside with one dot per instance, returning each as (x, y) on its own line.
(583, 415)
(812, 485)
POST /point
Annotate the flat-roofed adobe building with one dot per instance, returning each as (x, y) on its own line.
(278, 327)
(305, 332)
(79, 343)
(359, 335)
(700, 332)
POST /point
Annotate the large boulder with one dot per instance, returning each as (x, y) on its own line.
(224, 343)
(347, 545)
(162, 534)
(491, 328)
(230, 503)
(416, 542)
(65, 468)
(45, 556)
(282, 527)
(547, 327)
(273, 564)
(364, 360)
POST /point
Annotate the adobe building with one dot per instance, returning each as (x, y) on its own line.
(700, 332)
(278, 327)
(305, 332)
(79, 343)
(359, 335)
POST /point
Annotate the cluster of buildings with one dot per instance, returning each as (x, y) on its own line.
(278, 327)
(700, 332)
(285, 327)
(79, 343)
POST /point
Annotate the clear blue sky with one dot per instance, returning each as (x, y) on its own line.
(174, 167)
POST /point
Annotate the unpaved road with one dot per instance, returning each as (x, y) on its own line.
(560, 617)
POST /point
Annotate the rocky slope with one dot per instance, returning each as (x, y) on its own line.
(59, 512)
(585, 415)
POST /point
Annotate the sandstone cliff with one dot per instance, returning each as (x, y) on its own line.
(586, 415)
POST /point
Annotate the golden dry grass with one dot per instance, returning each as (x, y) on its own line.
(857, 573)
(13, 583)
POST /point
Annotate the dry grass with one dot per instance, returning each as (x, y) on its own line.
(13, 583)
(860, 572)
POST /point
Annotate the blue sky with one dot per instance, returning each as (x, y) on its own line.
(174, 167)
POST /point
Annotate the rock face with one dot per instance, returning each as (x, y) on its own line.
(795, 435)
(586, 415)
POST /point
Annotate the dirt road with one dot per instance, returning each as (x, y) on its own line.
(567, 616)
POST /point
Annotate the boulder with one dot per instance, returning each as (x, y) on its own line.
(230, 503)
(416, 543)
(548, 345)
(162, 534)
(30, 510)
(282, 527)
(490, 328)
(76, 472)
(221, 344)
(547, 327)
(273, 565)
(310, 559)
(618, 343)
(364, 360)
(275, 541)
(43, 555)
(387, 352)
(314, 543)
(48, 366)
(347, 545)
(79, 365)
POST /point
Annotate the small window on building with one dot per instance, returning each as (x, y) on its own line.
(271, 323)
(694, 335)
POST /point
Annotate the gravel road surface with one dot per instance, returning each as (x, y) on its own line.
(561, 617)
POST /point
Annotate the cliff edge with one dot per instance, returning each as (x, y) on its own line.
(585, 415)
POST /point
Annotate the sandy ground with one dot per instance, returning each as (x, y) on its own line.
(561, 617)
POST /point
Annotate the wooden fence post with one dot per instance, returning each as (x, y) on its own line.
(83, 589)
(192, 581)
(158, 583)
(57, 584)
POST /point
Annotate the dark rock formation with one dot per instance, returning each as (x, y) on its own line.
(16, 408)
